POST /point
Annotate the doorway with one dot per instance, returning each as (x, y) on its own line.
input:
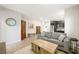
(38, 29)
(23, 29)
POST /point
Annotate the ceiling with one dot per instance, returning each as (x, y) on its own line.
(38, 10)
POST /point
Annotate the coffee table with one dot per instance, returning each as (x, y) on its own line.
(43, 47)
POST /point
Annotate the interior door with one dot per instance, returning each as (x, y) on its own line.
(23, 29)
(38, 29)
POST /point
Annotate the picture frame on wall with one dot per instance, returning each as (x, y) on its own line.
(58, 26)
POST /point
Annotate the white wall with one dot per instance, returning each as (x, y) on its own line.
(36, 23)
(46, 25)
(72, 21)
(42, 22)
(32, 20)
(10, 34)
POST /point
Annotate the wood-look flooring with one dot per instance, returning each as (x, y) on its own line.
(10, 49)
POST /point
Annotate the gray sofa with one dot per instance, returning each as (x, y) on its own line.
(63, 41)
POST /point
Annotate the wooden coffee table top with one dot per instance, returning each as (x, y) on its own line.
(48, 46)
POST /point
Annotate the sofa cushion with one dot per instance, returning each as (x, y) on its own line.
(48, 34)
(61, 37)
(45, 38)
(54, 41)
(43, 34)
(55, 36)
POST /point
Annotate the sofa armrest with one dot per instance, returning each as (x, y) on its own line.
(66, 44)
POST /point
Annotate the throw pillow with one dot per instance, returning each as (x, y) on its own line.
(61, 37)
(55, 35)
(48, 35)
